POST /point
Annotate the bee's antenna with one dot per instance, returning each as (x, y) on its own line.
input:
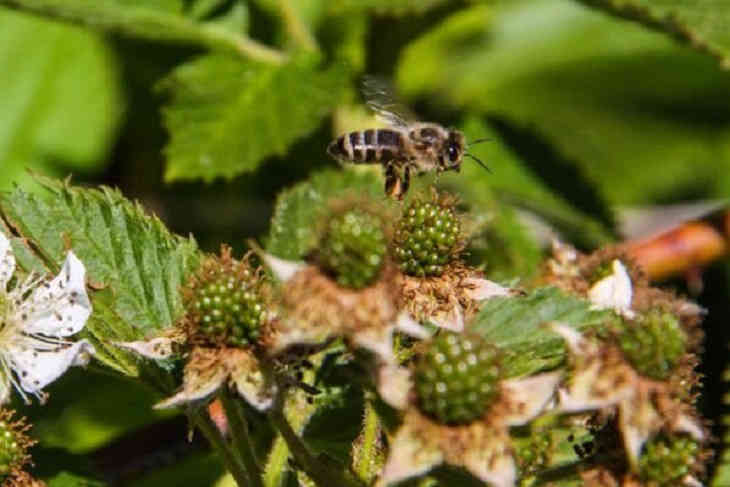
(478, 141)
(478, 161)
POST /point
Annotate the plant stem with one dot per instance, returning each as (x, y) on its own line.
(203, 422)
(366, 462)
(238, 427)
(150, 24)
(297, 30)
(311, 466)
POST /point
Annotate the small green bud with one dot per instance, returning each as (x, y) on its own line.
(456, 378)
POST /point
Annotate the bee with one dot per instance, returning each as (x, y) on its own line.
(406, 146)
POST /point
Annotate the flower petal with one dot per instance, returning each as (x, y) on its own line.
(250, 381)
(453, 319)
(596, 381)
(377, 340)
(409, 457)
(394, 385)
(528, 397)
(689, 425)
(7, 262)
(198, 383)
(593, 388)
(291, 335)
(614, 291)
(480, 289)
(493, 462)
(573, 338)
(638, 421)
(59, 307)
(406, 324)
(281, 268)
(156, 348)
(38, 363)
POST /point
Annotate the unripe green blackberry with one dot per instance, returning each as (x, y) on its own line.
(14, 444)
(665, 461)
(226, 297)
(427, 238)
(456, 377)
(11, 452)
(353, 248)
(653, 345)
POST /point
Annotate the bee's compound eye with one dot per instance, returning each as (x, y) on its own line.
(453, 152)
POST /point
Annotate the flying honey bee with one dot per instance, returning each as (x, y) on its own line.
(406, 146)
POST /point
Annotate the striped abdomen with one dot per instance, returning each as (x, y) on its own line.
(368, 146)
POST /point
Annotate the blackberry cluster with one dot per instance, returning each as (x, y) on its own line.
(427, 238)
(353, 248)
(456, 378)
(666, 461)
(653, 345)
(229, 306)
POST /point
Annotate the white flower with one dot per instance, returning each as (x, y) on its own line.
(36, 316)
(613, 291)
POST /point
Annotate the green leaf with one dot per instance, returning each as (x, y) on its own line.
(513, 182)
(134, 264)
(225, 116)
(153, 20)
(389, 7)
(199, 469)
(517, 326)
(67, 479)
(642, 117)
(105, 407)
(62, 106)
(299, 209)
(702, 24)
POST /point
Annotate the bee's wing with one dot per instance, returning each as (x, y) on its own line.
(378, 95)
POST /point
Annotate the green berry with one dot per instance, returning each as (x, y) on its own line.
(11, 450)
(427, 238)
(654, 344)
(456, 378)
(353, 248)
(665, 461)
(229, 305)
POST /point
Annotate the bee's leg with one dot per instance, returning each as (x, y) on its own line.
(393, 185)
(406, 180)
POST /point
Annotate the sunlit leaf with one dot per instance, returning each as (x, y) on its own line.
(225, 116)
(642, 117)
(517, 326)
(702, 24)
(61, 102)
(153, 20)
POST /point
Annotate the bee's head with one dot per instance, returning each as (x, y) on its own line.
(453, 150)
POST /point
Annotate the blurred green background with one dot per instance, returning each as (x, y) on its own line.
(205, 110)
